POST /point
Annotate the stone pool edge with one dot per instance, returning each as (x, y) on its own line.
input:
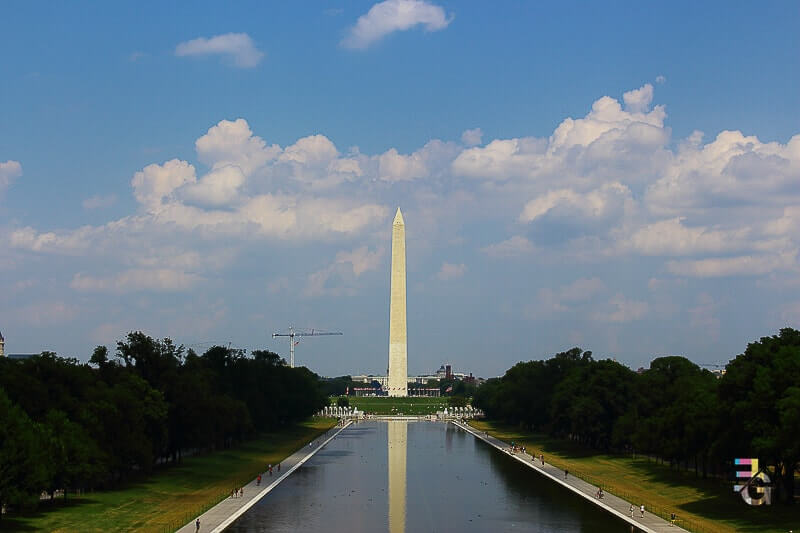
(655, 524)
(231, 511)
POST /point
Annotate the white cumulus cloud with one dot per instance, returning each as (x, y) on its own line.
(233, 143)
(154, 183)
(638, 100)
(472, 137)
(391, 16)
(9, 171)
(339, 277)
(742, 265)
(595, 204)
(220, 187)
(238, 47)
(623, 309)
(672, 237)
(512, 247)
(608, 186)
(137, 280)
(609, 142)
(450, 271)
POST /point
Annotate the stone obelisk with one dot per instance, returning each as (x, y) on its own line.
(398, 354)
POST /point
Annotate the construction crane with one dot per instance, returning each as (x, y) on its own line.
(301, 333)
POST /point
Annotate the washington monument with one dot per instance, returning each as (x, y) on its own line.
(398, 354)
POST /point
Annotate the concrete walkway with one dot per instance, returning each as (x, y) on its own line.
(613, 504)
(225, 512)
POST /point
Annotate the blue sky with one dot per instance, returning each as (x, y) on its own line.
(624, 177)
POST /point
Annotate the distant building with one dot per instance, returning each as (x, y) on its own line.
(21, 355)
(12, 355)
(445, 372)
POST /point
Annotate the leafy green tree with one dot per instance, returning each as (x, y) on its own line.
(486, 398)
(760, 402)
(589, 401)
(155, 361)
(71, 425)
(457, 401)
(342, 401)
(23, 470)
(337, 386)
(675, 411)
(70, 453)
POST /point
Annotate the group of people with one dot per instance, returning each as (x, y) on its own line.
(599, 494)
(267, 471)
(641, 510)
(237, 493)
(514, 448)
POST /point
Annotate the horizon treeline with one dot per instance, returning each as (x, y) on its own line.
(674, 411)
(67, 425)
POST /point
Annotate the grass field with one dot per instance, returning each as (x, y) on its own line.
(383, 405)
(172, 497)
(701, 505)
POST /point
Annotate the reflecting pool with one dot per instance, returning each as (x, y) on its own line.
(401, 476)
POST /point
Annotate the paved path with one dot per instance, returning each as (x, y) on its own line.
(613, 504)
(225, 512)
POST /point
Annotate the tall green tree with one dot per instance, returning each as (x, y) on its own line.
(23, 465)
(70, 453)
(761, 403)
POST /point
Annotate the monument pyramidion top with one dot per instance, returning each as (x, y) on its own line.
(398, 218)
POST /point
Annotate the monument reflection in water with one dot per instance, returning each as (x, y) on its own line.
(398, 451)
(408, 476)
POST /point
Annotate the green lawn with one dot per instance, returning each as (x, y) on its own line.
(384, 405)
(702, 505)
(173, 496)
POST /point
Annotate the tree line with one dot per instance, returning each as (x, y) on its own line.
(675, 410)
(66, 425)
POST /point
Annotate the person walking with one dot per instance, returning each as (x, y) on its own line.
(631, 510)
(258, 480)
(279, 467)
(641, 509)
(197, 525)
(541, 456)
(672, 519)
(566, 473)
